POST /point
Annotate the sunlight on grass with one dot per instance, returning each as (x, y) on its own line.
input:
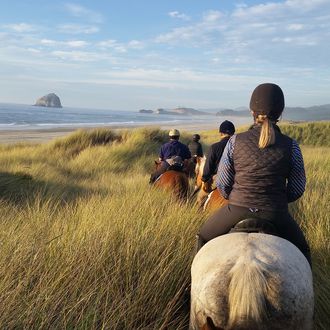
(87, 244)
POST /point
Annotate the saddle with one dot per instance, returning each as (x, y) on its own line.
(175, 164)
(254, 225)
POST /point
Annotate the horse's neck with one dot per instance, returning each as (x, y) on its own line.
(200, 168)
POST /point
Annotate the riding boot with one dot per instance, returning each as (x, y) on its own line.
(199, 243)
(307, 253)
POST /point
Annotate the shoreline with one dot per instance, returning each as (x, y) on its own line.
(47, 134)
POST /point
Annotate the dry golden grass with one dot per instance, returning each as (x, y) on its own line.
(86, 244)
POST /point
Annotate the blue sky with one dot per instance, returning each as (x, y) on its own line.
(148, 54)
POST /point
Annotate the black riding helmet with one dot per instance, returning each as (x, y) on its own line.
(267, 99)
(227, 127)
(196, 137)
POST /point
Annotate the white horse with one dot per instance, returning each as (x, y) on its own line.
(251, 281)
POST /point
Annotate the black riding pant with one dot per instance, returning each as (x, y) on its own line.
(228, 216)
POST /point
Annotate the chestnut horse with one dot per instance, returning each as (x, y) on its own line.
(209, 201)
(251, 281)
(174, 181)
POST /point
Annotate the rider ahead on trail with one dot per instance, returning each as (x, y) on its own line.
(226, 130)
(260, 172)
(195, 147)
(172, 150)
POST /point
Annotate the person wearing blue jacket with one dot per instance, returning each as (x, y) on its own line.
(173, 149)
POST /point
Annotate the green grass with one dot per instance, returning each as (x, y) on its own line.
(87, 244)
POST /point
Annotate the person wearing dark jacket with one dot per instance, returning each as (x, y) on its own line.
(260, 172)
(195, 147)
(226, 130)
(169, 153)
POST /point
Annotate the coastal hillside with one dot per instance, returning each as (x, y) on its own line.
(177, 111)
(86, 243)
(314, 113)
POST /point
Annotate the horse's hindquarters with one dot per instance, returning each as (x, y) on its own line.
(174, 181)
(252, 281)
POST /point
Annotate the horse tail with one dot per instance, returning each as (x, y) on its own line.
(247, 296)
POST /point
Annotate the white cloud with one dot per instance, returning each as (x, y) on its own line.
(177, 35)
(176, 14)
(120, 47)
(76, 43)
(48, 42)
(34, 50)
(254, 34)
(70, 43)
(20, 27)
(79, 56)
(295, 27)
(212, 16)
(174, 78)
(135, 44)
(305, 5)
(107, 43)
(299, 41)
(77, 29)
(83, 12)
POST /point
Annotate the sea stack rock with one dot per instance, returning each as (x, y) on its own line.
(50, 100)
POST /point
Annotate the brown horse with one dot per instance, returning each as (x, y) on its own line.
(191, 167)
(174, 181)
(209, 201)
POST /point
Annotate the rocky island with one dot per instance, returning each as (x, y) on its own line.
(50, 100)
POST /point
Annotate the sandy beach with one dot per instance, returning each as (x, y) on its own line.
(45, 135)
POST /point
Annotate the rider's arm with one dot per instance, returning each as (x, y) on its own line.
(162, 153)
(187, 153)
(209, 169)
(199, 150)
(297, 179)
(226, 171)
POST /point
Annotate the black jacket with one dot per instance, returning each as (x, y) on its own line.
(195, 149)
(213, 159)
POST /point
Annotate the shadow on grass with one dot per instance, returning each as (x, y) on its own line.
(20, 188)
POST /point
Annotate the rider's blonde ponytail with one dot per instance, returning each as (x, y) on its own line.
(267, 135)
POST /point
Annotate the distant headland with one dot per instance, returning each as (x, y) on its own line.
(50, 100)
(177, 111)
(313, 113)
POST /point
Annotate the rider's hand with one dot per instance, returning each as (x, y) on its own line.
(207, 186)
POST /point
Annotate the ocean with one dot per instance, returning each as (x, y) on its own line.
(29, 117)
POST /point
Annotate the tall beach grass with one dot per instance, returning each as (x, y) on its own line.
(87, 244)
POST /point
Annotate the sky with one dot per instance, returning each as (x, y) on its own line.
(147, 54)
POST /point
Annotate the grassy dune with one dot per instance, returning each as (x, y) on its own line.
(86, 244)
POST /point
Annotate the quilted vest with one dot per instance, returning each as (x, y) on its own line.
(261, 174)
